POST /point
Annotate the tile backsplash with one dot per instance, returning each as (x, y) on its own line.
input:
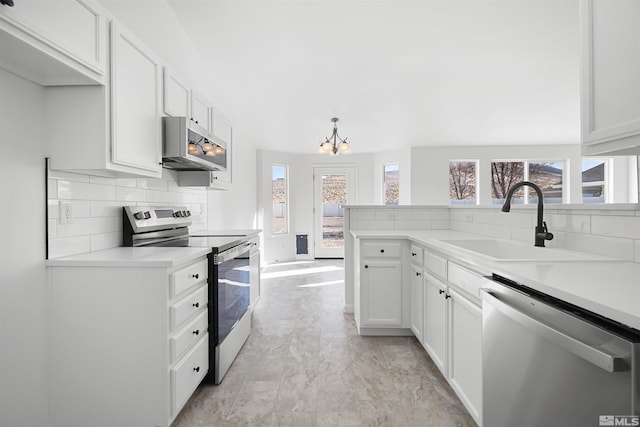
(612, 230)
(96, 205)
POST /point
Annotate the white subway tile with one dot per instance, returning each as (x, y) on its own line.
(515, 219)
(88, 226)
(606, 246)
(617, 226)
(85, 191)
(53, 209)
(81, 208)
(466, 227)
(570, 223)
(412, 225)
(363, 214)
(374, 225)
(637, 251)
(100, 208)
(152, 184)
(52, 188)
(440, 224)
(105, 241)
(130, 194)
(126, 182)
(484, 217)
(430, 214)
(51, 225)
(393, 214)
(69, 246)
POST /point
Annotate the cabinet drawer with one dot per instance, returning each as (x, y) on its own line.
(381, 250)
(187, 374)
(186, 337)
(187, 307)
(465, 279)
(417, 255)
(185, 278)
(436, 265)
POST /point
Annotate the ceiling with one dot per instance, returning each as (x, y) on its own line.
(397, 73)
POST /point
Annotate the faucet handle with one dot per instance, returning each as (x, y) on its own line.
(547, 235)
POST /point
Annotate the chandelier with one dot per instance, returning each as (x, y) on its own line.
(334, 144)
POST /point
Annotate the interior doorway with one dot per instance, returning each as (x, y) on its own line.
(334, 187)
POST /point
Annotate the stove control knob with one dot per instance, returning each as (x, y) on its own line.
(147, 215)
(184, 214)
(138, 215)
(188, 213)
(178, 214)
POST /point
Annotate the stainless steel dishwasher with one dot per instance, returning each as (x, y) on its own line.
(549, 363)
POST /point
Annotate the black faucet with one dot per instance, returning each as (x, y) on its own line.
(542, 233)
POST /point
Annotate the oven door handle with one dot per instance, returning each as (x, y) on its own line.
(231, 253)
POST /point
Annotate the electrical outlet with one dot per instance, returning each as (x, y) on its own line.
(66, 213)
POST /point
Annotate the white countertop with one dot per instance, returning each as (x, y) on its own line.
(131, 257)
(609, 288)
(246, 232)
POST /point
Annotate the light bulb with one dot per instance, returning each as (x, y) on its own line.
(345, 148)
(207, 146)
(218, 149)
(193, 149)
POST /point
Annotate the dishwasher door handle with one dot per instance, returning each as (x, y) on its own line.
(598, 357)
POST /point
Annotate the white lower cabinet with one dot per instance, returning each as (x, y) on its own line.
(381, 293)
(435, 321)
(417, 302)
(465, 357)
(129, 345)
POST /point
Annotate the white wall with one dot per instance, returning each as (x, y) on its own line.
(282, 247)
(430, 173)
(23, 336)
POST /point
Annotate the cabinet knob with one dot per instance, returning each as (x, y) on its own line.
(440, 291)
(196, 276)
(366, 266)
(197, 369)
(413, 254)
(381, 251)
(447, 296)
(417, 273)
(196, 332)
(196, 304)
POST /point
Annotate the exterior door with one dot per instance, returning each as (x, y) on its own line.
(333, 188)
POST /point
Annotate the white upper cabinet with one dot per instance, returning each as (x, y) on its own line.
(54, 42)
(111, 130)
(201, 111)
(221, 126)
(610, 76)
(135, 103)
(177, 95)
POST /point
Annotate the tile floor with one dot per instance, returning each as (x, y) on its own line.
(305, 365)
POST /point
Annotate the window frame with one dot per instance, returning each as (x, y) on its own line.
(285, 230)
(384, 183)
(476, 163)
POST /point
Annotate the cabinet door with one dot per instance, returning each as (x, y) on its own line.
(435, 321)
(465, 363)
(200, 111)
(254, 272)
(221, 126)
(611, 76)
(135, 103)
(381, 293)
(417, 302)
(176, 95)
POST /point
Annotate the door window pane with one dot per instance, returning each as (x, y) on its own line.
(279, 196)
(548, 176)
(334, 196)
(391, 184)
(462, 183)
(594, 181)
(503, 176)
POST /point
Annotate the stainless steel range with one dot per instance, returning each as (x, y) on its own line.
(229, 276)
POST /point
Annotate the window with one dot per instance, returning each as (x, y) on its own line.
(279, 197)
(462, 183)
(391, 184)
(594, 181)
(503, 176)
(548, 176)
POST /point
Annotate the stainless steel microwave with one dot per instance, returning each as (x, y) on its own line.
(188, 146)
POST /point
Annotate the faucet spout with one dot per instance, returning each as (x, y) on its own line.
(541, 232)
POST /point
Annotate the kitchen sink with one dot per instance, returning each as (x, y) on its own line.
(507, 250)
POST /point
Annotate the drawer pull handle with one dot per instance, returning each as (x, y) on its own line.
(196, 304)
(381, 251)
(440, 291)
(413, 254)
(197, 369)
(196, 276)
(196, 332)
(417, 273)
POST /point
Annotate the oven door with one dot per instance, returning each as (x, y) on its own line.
(231, 289)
